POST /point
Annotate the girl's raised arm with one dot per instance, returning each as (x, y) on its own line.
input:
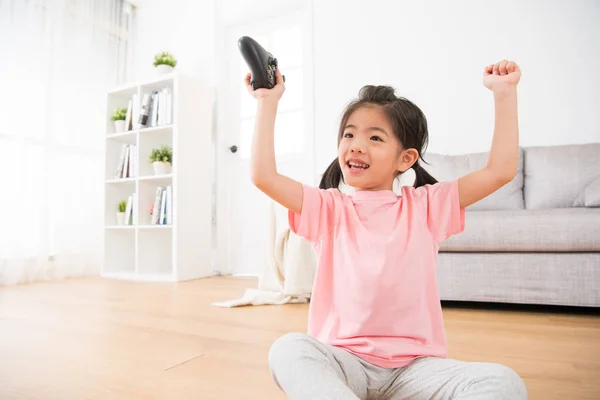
(502, 79)
(282, 189)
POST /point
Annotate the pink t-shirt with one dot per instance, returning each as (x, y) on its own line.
(375, 291)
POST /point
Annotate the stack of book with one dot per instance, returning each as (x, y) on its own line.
(162, 213)
(155, 109)
(126, 165)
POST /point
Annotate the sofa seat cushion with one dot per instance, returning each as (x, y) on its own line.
(556, 230)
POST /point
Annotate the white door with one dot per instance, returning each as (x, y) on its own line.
(242, 210)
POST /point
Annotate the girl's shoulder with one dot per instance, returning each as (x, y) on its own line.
(430, 192)
(325, 197)
(412, 191)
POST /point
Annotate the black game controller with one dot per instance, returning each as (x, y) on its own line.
(262, 64)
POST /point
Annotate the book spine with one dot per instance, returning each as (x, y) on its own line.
(169, 107)
(135, 112)
(119, 173)
(169, 205)
(143, 118)
(125, 172)
(163, 207)
(155, 209)
(128, 117)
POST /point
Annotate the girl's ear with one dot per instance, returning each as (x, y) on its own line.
(407, 158)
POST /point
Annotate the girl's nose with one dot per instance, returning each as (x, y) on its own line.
(357, 147)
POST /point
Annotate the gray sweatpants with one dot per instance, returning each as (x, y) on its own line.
(305, 368)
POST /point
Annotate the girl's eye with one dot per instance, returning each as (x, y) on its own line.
(376, 138)
(348, 135)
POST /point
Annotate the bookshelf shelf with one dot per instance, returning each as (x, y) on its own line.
(156, 129)
(120, 180)
(173, 243)
(164, 178)
(122, 135)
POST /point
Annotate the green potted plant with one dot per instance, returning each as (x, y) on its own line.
(121, 213)
(119, 116)
(164, 62)
(162, 159)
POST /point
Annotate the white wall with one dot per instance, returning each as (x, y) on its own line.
(434, 53)
(243, 11)
(183, 27)
(189, 29)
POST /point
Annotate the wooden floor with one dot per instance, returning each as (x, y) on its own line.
(106, 339)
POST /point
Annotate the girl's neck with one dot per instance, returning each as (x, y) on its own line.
(374, 195)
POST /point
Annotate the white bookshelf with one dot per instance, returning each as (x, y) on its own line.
(180, 250)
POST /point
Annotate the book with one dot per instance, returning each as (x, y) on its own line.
(135, 112)
(169, 205)
(163, 208)
(121, 162)
(169, 107)
(156, 206)
(128, 116)
(145, 109)
(131, 166)
(125, 170)
(154, 112)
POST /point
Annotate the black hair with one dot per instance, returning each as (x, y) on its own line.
(408, 123)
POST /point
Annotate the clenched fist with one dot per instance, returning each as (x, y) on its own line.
(502, 75)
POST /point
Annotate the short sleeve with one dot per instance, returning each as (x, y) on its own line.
(445, 217)
(318, 213)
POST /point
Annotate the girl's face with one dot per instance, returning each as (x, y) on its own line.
(369, 153)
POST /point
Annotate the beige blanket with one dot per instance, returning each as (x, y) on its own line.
(288, 274)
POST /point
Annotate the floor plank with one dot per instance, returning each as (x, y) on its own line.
(109, 339)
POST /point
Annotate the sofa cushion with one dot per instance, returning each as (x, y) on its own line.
(590, 196)
(450, 167)
(555, 175)
(565, 229)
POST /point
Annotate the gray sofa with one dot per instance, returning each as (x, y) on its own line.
(534, 241)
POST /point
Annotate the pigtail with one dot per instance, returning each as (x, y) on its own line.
(332, 176)
(423, 177)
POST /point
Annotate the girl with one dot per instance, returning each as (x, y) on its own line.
(375, 328)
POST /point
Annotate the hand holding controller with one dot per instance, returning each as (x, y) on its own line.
(262, 64)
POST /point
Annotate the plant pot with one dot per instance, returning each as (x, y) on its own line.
(163, 69)
(161, 168)
(120, 218)
(120, 126)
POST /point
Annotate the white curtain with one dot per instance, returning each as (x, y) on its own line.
(59, 58)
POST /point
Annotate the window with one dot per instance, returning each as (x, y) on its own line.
(64, 56)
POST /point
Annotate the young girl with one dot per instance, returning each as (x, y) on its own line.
(375, 328)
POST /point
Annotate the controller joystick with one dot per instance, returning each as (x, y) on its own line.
(262, 64)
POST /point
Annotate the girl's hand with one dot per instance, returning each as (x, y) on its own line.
(274, 93)
(504, 74)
